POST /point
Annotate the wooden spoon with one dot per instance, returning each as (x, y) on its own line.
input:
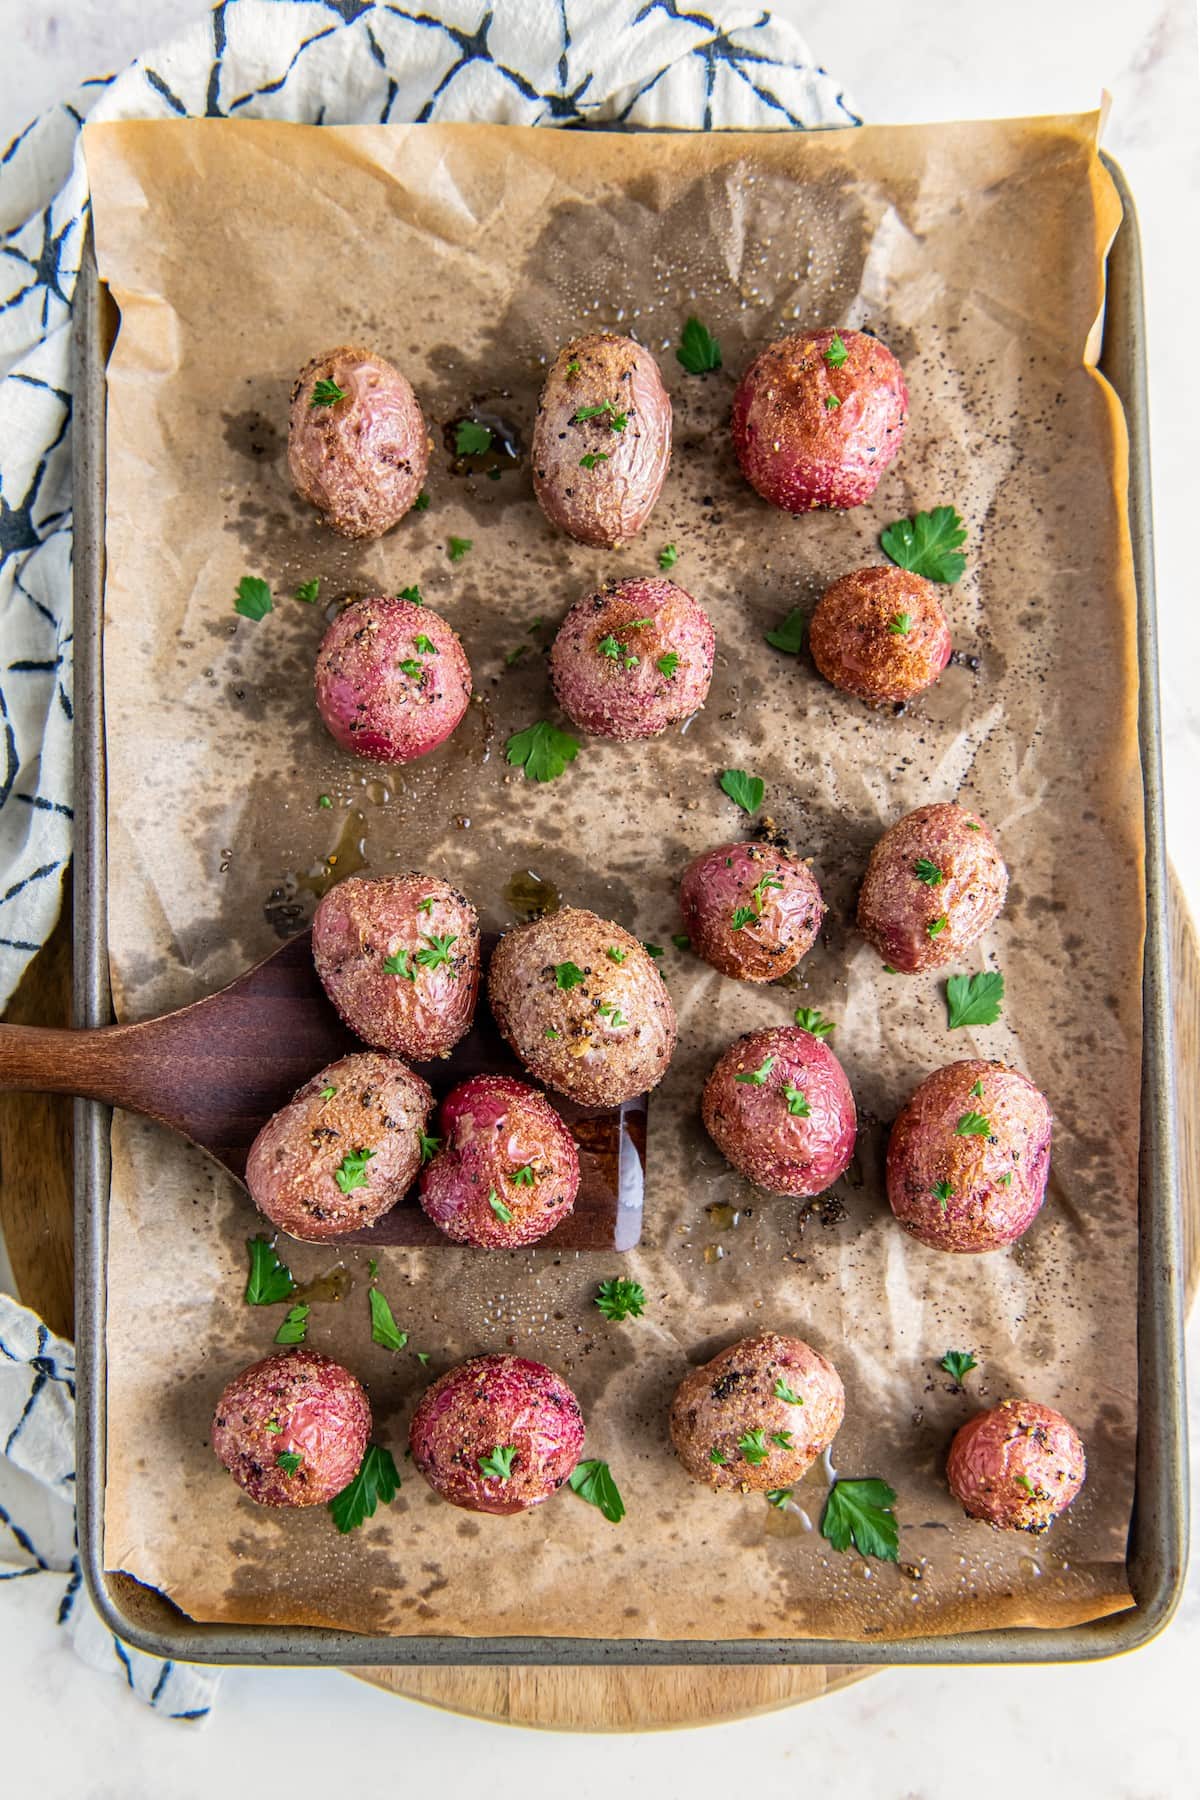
(215, 1071)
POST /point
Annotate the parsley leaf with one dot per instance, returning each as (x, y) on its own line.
(294, 1329)
(456, 548)
(323, 800)
(860, 1513)
(718, 1456)
(757, 1077)
(410, 666)
(471, 438)
(437, 950)
(977, 1090)
(782, 1439)
(698, 350)
(837, 352)
(592, 1481)
(746, 790)
(502, 1212)
(514, 656)
(621, 1299)
(958, 1363)
(542, 751)
(927, 544)
(568, 975)
(328, 1092)
(351, 1172)
(376, 1484)
(615, 955)
(384, 1329)
(789, 636)
(815, 1023)
(425, 645)
(743, 916)
(973, 1124)
(778, 1496)
(327, 393)
(936, 926)
(421, 503)
(270, 1281)
(653, 950)
(667, 664)
(308, 591)
(412, 595)
(608, 646)
(524, 1177)
(900, 624)
(832, 403)
(943, 1192)
(668, 556)
(753, 1446)
(398, 964)
(289, 1460)
(783, 1392)
(606, 410)
(253, 598)
(681, 940)
(498, 1464)
(614, 1015)
(591, 457)
(796, 1103)
(974, 999)
(928, 872)
(428, 1146)
(573, 366)
(427, 904)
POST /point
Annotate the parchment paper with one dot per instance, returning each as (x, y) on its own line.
(467, 254)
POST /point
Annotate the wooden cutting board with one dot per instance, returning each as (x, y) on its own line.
(35, 1218)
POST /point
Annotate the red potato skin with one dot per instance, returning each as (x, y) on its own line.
(801, 454)
(379, 1105)
(896, 908)
(590, 1059)
(853, 643)
(1017, 1466)
(998, 1182)
(323, 1416)
(752, 1127)
(373, 707)
(362, 461)
(490, 1401)
(734, 1394)
(723, 881)
(362, 922)
(608, 504)
(605, 697)
(490, 1127)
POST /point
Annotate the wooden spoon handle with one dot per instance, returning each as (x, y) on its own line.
(106, 1064)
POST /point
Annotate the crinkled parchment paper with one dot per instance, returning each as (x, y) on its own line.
(467, 254)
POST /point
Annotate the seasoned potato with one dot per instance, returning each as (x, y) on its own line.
(292, 1430)
(779, 1107)
(343, 1150)
(751, 910)
(880, 634)
(632, 659)
(1017, 1466)
(583, 1006)
(815, 425)
(507, 1412)
(934, 884)
(602, 440)
(507, 1171)
(399, 957)
(758, 1415)
(969, 1157)
(392, 679)
(357, 444)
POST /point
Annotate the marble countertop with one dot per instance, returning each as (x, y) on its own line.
(1122, 1728)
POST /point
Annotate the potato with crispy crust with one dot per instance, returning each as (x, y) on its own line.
(880, 634)
(602, 439)
(392, 679)
(779, 1107)
(935, 882)
(632, 659)
(398, 956)
(584, 1007)
(751, 910)
(758, 1415)
(507, 1171)
(343, 1150)
(497, 1434)
(817, 418)
(1017, 1466)
(358, 448)
(292, 1430)
(969, 1157)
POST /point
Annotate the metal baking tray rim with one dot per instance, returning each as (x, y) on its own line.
(1157, 1556)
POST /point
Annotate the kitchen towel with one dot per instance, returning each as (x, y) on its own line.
(574, 63)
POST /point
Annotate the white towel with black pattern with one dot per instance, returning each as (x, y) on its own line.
(521, 62)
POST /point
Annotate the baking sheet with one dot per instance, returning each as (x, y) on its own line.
(467, 254)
